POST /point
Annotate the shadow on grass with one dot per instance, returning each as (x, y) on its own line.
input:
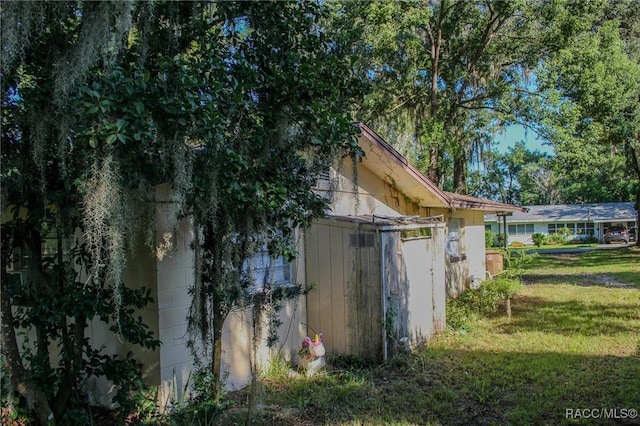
(618, 254)
(572, 317)
(609, 280)
(457, 387)
(593, 258)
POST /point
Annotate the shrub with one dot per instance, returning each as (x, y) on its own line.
(459, 315)
(557, 238)
(538, 239)
(483, 301)
(516, 261)
(489, 238)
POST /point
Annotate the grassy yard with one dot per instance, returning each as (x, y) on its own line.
(573, 343)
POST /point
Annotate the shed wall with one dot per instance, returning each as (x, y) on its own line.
(174, 264)
(368, 194)
(343, 262)
(414, 287)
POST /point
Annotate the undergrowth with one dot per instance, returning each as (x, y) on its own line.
(472, 304)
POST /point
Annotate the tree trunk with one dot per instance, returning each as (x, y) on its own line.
(18, 377)
(68, 383)
(436, 44)
(635, 161)
(460, 170)
(216, 362)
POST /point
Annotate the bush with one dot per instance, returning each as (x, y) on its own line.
(459, 315)
(561, 236)
(557, 238)
(480, 302)
(489, 238)
(516, 261)
(504, 287)
(538, 239)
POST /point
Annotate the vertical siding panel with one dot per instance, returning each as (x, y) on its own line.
(324, 287)
(364, 304)
(365, 297)
(439, 279)
(311, 272)
(375, 297)
(345, 282)
(350, 284)
(338, 306)
(362, 274)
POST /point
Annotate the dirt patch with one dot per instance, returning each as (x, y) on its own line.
(586, 280)
(605, 280)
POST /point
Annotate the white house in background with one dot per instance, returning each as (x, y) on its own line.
(390, 250)
(581, 219)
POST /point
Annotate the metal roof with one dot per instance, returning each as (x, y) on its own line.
(596, 212)
(389, 222)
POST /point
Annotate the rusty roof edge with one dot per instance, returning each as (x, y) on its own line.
(399, 158)
(451, 200)
(470, 202)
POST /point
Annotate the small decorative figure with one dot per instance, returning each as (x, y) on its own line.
(311, 356)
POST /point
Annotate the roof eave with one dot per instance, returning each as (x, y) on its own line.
(402, 163)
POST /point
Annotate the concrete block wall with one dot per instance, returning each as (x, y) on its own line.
(175, 275)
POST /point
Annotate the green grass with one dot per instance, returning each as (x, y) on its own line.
(568, 245)
(592, 267)
(573, 343)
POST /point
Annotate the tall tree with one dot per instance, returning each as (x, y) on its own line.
(435, 67)
(48, 50)
(289, 123)
(593, 89)
(518, 176)
(239, 106)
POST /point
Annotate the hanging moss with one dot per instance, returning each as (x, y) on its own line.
(123, 96)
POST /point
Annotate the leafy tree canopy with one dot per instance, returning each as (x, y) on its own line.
(238, 106)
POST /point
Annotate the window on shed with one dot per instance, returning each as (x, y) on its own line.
(415, 233)
(21, 256)
(266, 271)
(362, 240)
(454, 243)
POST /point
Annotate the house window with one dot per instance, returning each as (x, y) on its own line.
(521, 229)
(49, 250)
(555, 227)
(573, 228)
(324, 180)
(324, 176)
(585, 228)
